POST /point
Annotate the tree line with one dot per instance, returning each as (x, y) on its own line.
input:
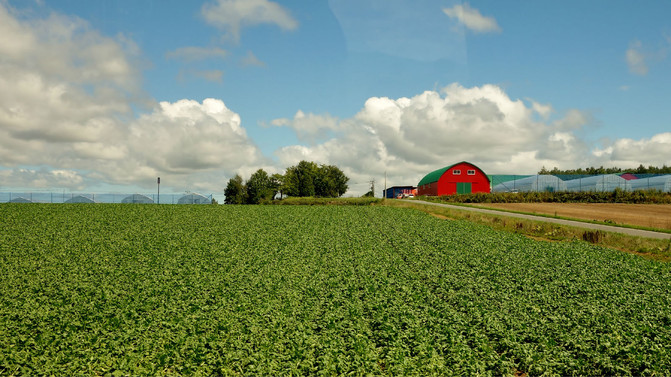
(601, 170)
(302, 180)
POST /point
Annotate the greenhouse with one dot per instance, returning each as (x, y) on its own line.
(194, 199)
(600, 183)
(138, 199)
(80, 199)
(660, 182)
(20, 200)
(534, 183)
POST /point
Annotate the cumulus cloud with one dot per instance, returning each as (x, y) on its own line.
(631, 153)
(69, 110)
(232, 15)
(309, 127)
(42, 178)
(186, 135)
(69, 85)
(472, 19)
(193, 53)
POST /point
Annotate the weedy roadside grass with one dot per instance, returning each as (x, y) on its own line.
(645, 247)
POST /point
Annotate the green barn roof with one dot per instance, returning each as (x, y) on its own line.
(435, 175)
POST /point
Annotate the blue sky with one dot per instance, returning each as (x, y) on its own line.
(109, 95)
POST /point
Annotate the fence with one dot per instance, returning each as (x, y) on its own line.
(62, 197)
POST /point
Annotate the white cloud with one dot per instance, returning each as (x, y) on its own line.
(309, 127)
(232, 15)
(184, 136)
(543, 110)
(41, 178)
(70, 110)
(636, 59)
(631, 153)
(193, 53)
(69, 85)
(472, 19)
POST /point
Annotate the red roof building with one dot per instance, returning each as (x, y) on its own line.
(460, 178)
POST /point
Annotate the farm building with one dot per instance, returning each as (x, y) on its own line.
(660, 182)
(396, 191)
(460, 178)
(138, 199)
(194, 199)
(601, 183)
(534, 183)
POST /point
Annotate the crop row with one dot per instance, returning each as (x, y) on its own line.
(228, 290)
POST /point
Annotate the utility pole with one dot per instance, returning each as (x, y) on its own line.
(158, 193)
(372, 186)
(385, 185)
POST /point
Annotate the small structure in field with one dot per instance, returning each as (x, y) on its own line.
(20, 200)
(460, 178)
(399, 191)
(137, 199)
(194, 199)
(80, 199)
(534, 183)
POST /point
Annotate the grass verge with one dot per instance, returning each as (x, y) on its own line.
(645, 247)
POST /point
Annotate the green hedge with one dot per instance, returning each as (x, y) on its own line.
(325, 201)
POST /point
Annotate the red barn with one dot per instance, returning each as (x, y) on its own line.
(461, 178)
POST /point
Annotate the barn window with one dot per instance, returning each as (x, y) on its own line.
(456, 172)
(471, 172)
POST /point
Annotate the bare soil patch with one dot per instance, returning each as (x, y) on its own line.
(646, 215)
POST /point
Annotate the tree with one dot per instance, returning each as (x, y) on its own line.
(309, 179)
(299, 179)
(277, 182)
(259, 187)
(235, 191)
(330, 182)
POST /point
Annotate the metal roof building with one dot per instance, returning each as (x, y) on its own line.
(460, 178)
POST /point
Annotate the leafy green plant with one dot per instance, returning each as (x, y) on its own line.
(316, 290)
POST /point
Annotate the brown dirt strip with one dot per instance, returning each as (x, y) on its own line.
(646, 215)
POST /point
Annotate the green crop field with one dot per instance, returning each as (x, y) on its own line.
(320, 290)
